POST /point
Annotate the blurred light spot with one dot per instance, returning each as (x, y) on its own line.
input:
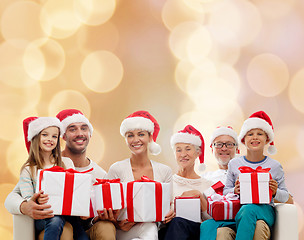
(44, 59)
(103, 37)
(182, 72)
(12, 72)
(101, 71)
(58, 18)
(295, 92)
(176, 12)
(4, 233)
(229, 21)
(275, 9)
(96, 148)
(267, 75)
(69, 99)
(198, 5)
(231, 76)
(226, 54)
(20, 23)
(94, 12)
(5, 189)
(300, 141)
(199, 45)
(16, 154)
(285, 142)
(179, 38)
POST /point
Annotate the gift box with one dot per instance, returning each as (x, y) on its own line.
(146, 200)
(108, 194)
(218, 188)
(254, 185)
(68, 190)
(188, 208)
(223, 207)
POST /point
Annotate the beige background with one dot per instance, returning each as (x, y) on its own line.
(200, 62)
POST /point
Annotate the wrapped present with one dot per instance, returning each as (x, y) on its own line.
(108, 194)
(68, 190)
(146, 200)
(223, 207)
(218, 188)
(188, 208)
(254, 185)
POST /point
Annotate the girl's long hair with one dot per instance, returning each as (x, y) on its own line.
(35, 157)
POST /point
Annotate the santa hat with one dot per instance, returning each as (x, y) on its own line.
(190, 135)
(220, 131)
(69, 116)
(262, 121)
(32, 126)
(142, 120)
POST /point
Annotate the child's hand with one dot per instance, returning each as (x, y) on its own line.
(124, 225)
(43, 198)
(273, 185)
(237, 187)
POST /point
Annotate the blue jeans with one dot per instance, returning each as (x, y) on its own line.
(53, 227)
(182, 229)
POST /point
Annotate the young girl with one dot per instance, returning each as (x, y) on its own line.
(140, 130)
(256, 133)
(42, 141)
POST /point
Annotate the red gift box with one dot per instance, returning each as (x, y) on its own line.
(221, 207)
(254, 185)
(218, 188)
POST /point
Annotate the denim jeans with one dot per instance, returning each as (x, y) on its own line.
(53, 227)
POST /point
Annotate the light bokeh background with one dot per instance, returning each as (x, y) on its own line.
(200, 62)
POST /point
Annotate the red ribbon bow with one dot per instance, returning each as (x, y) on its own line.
(68, 185)
(158, 198)
(106, 191)
(254, 181)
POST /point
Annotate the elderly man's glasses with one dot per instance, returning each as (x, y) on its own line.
(221, 144)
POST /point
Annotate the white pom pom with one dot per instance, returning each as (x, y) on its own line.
(272, 150)
(202, 167)
(154, 148)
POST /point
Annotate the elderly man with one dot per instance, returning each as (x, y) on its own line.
(77, 133)
(224, 144)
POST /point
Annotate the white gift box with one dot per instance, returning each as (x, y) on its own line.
(146, 202)
(188, 208)
(108, 195)
(254, 188)
(69, 193)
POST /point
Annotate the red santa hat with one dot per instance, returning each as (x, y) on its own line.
(142, 120)
(220, 131)
(32, 126)
(192, 136)
(69, 116)
(262, 121)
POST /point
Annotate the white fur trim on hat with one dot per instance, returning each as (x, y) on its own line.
(136, 123)
(75, 118)
(253, 123)
(224, 131)
(154, 148)
(37, 125)
(181, 137)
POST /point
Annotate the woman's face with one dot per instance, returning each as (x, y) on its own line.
(185, 155)
(138, 141)
(48, 139)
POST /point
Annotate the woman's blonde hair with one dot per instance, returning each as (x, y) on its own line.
(35, 157)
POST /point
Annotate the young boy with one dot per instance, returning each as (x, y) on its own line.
(256, 133)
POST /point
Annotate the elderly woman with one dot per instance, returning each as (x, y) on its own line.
(188, 144)
(140, 130)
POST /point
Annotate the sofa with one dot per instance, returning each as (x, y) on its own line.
(286, 225)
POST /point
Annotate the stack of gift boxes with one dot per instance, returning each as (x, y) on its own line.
(71, 193)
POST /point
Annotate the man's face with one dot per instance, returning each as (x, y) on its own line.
(223, 155)
(77, 137)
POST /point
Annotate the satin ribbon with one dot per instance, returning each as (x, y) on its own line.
(68, 186)
(106, 191)
(254, 181)
(158, 198)
(227, 202)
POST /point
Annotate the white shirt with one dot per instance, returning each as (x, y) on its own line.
(215, 176)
